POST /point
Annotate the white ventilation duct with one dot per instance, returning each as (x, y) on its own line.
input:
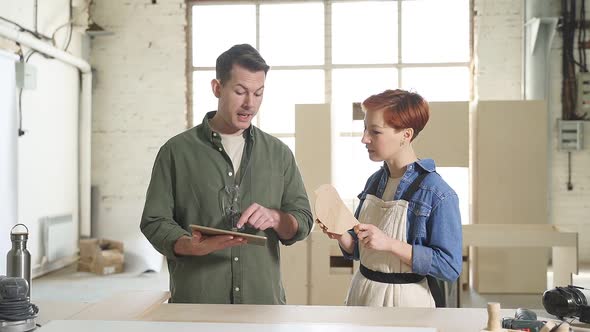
(540, 25)
(539, 29)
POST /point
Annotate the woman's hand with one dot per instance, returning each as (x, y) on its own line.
(373, 238)
(345, 240)
(324, 229)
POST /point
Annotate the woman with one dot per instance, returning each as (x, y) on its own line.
(410, 226)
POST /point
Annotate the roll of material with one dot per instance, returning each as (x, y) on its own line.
(494, 320)
(8, 153)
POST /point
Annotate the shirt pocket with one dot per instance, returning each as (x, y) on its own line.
(268, 187)
(418, 214)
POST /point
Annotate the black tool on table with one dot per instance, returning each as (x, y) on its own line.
(568, 302)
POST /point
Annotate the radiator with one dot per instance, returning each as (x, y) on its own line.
(59, 237)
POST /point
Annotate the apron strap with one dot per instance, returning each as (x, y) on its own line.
(436, 286)
(414, 186)
(390, 278)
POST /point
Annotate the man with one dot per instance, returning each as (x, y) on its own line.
(207, 175)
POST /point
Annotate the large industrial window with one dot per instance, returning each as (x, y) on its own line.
(336, 52)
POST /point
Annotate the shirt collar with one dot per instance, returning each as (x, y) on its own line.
(427, 165)
(248, 133)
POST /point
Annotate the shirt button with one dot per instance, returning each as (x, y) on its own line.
(237, 289)
(230, 173)
(220, 149)
(236, 259)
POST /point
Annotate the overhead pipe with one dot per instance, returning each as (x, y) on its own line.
(84, 115)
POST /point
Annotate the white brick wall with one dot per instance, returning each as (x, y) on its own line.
(498, 48)
(568, 209)
(499, 34)
(139, 102)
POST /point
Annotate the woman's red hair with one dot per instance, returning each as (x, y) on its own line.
(402, 109)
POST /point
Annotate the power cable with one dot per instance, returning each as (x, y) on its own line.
(17, 310)
(21, 28)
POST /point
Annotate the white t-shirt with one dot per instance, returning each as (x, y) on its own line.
(390, 188)
(234, 147)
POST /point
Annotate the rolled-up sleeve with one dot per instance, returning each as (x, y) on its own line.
(356, 255)
(295, 201)
(157, 222)
(441, 256)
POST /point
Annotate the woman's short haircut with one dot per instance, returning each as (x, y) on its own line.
(244, 55)
(402, 109)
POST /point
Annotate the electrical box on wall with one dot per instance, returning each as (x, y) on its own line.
(26, 76)
(583, 93)
(571, 136)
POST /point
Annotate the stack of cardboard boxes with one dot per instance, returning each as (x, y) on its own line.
(101, 256)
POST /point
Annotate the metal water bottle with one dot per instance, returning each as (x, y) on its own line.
(18, 259)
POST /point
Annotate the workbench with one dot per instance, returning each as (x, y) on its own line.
(146, 311)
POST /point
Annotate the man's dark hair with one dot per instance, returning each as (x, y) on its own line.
(243, 55)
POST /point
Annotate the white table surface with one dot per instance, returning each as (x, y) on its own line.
(140, 326)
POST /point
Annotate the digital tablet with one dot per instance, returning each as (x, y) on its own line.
(252, 239)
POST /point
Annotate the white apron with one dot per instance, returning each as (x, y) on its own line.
(391, 218)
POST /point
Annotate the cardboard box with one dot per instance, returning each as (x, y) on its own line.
(101, 256)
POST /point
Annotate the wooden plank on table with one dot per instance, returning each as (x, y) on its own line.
(444, 320)
(125, 306)
(135, 326)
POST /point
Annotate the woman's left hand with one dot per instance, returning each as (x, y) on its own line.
(373, 238)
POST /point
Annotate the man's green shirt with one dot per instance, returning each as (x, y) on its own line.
(187, 184)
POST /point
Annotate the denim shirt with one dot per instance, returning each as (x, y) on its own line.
(434, 222)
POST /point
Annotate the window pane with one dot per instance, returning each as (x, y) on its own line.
(216, 28)
(292, 34)
(352, 167)
(355, 85)
(364, 32)
(435, 31)
(282, 90)
(203, 99)
(438, 84)
(458, 179)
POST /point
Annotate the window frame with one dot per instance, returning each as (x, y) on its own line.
(328, 66)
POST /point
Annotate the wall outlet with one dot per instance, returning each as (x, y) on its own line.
(26, 76)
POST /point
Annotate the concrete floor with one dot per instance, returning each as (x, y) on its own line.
(71, 286)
